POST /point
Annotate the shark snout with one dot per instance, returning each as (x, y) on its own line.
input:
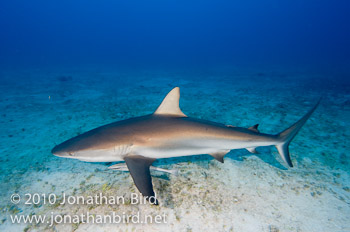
(57, 151)
(54, 151)
(60, 154)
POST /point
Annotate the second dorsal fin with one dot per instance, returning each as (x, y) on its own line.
(170, 104)
(254, 128)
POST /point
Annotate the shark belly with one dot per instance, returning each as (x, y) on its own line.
(158, 153)
(188, 147)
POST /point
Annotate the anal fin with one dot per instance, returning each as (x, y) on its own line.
(139, 167)
(252, 150)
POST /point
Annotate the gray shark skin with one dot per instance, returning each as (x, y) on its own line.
(166, 133)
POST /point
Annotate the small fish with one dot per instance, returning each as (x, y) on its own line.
(123, 167)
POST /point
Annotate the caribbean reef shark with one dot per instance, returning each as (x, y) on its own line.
(166, 133)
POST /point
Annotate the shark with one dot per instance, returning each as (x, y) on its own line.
(166, 133)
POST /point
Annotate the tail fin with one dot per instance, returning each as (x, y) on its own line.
(287, 136)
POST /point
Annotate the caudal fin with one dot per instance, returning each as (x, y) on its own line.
(286, 136)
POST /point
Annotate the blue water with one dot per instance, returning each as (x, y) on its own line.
(167, 33)
(70, 66)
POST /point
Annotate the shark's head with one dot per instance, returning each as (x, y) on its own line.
(69, 148)
(89, 147)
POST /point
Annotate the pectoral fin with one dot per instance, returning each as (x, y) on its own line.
(140, 173)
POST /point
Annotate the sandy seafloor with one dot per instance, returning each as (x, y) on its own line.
(247, 193)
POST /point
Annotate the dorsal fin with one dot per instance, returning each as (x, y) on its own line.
(170, 104)
(254, 128)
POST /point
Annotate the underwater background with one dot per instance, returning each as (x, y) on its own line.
(69, 66)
